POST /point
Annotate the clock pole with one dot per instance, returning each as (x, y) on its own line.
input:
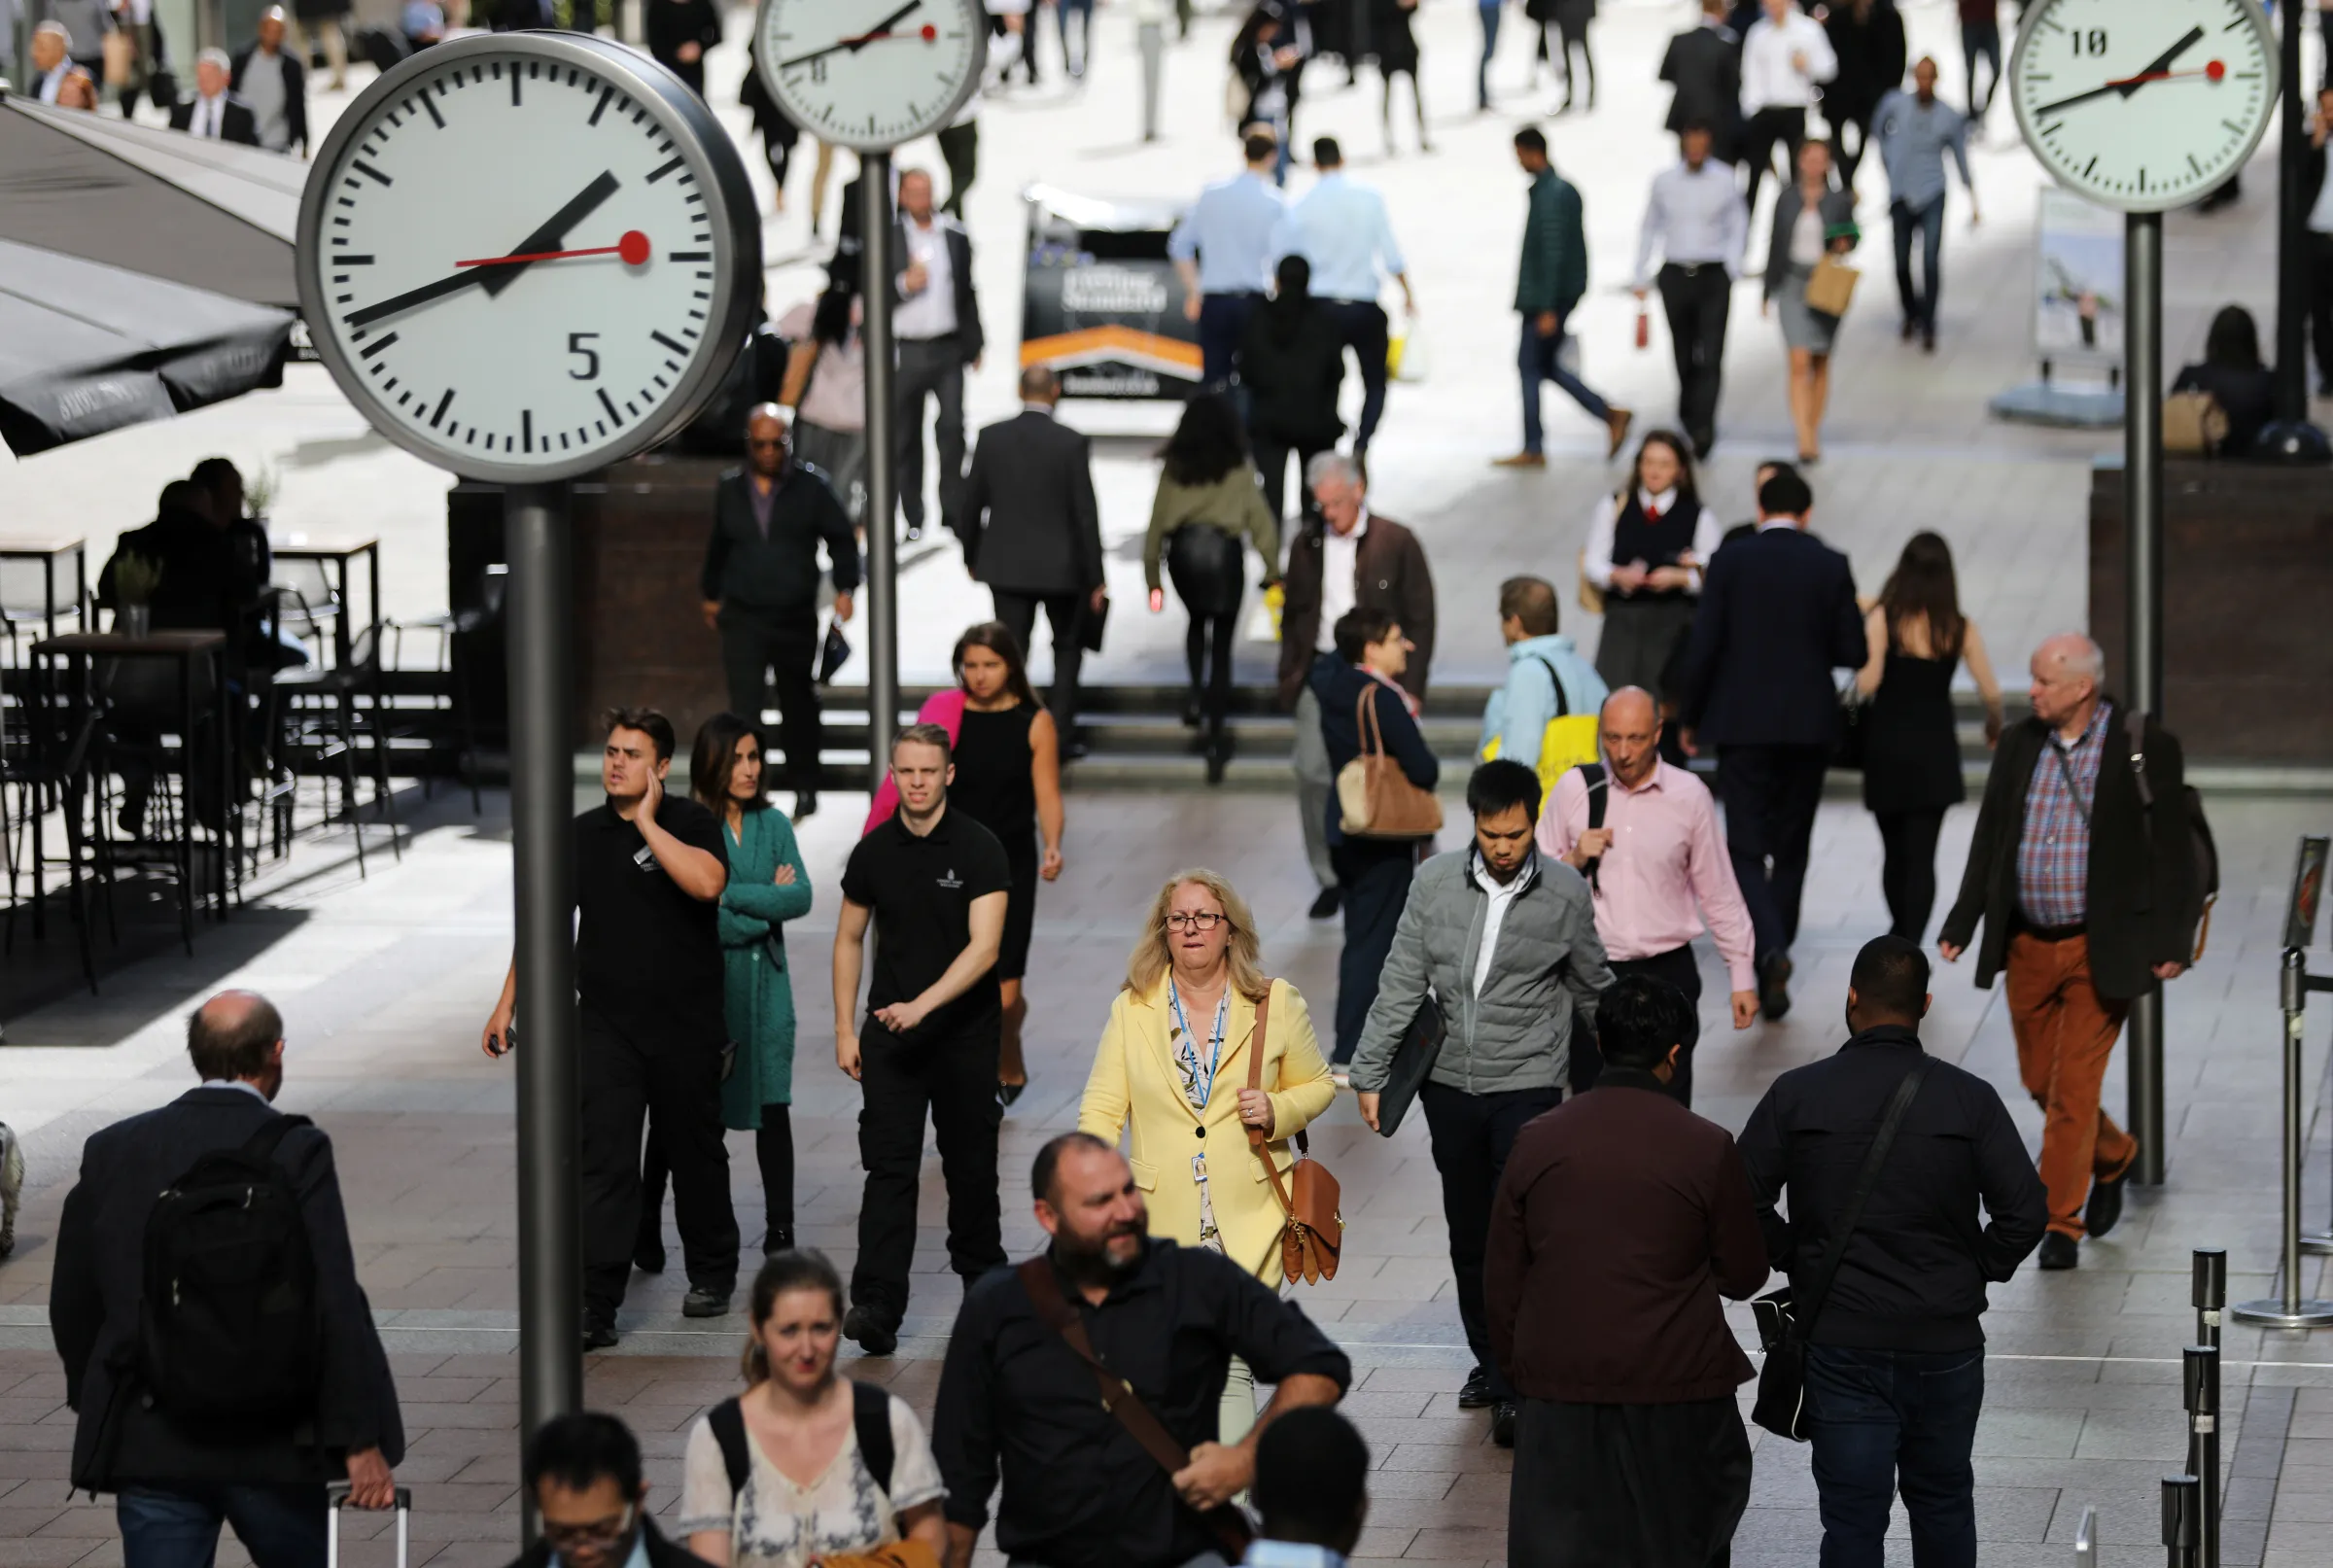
(542, 806)
(882, 555)
(2143, 564)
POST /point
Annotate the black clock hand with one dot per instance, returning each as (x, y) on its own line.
(494, 278)
(2128, 84)
(856, 44)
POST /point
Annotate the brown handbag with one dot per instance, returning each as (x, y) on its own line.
(1375, 798)
(1315, 1234)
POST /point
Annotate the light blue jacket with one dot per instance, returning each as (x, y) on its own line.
(1518, 711)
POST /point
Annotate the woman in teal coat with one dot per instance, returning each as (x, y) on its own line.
(767, 886)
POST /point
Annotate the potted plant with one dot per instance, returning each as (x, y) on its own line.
(135, 578)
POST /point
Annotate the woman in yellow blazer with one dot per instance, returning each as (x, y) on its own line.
(1174, 1063)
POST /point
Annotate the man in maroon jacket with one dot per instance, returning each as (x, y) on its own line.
(1622, 1218)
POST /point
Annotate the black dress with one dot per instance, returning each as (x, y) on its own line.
(1391, 38)
(993, 787)
(1911, 742)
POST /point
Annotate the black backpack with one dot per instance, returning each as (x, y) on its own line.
(229, 1337)
(870, 1418)
(2206, 849)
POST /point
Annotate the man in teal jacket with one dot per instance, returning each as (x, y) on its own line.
(1549, 284)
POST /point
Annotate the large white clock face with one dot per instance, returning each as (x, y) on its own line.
(520, 255)
(871, 74)
(2143, 104)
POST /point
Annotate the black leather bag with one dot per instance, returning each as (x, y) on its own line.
(1412, 1059)
(1784, 1323)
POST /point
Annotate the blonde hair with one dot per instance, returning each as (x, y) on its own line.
(1150, 959)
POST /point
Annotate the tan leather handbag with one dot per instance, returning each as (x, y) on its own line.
(1375, 798)
(2193, 423)
(1830, 289)
(1308, 1195)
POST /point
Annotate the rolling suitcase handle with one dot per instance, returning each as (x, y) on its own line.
(335, 1498)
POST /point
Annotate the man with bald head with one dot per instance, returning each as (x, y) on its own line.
(1644, 834)
(147, 1430)
(762, 588)
(1032, 532)
(2083, 869)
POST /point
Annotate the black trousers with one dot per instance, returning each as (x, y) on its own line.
(1908, 868)
(1678, 968)
(1857, 114)
(1627, 1485)
(960, 149)
(1375, 880)
(1211, 635)
(1064, 615)
(1472, 1135)
(1697, 300)
(626, 1082)
(1361, 325)
(760, 648)
(953, 1079)
(1770, 793)
(2320, 288)
(773, 1152)
(1763, 132)
(1271, 462)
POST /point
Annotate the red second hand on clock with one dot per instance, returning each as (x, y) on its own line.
(927, 33)
(2213, 71)
(632, 247)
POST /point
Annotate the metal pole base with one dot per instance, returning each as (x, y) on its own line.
(2272, 1313)
(2319, 1242)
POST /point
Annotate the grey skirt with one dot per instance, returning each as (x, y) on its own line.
(1801, 326)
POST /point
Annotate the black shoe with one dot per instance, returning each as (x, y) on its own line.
(2057, 1251)
(862, 1327)
(599, 1333)
(1219, 756)
(806, 806)
(702, 1301)
(1928, 340)
(779, 1238)
(1193, 715)
(1903, 334)
(1325, 907)
(1474, 1393)
(2105, 1209)
(1773, 989)
(1007, 1094)
(1703, 440)
(647, 1256)
(1502, 1423)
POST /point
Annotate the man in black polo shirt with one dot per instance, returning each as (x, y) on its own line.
(649, 869)
(1079, 1490)
(933, 881)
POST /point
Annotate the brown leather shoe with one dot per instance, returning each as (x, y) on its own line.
(1520, 460)
(1618, 421)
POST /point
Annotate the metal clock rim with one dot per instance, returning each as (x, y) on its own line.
(735, 288)
(977, 19)
(2029, 29)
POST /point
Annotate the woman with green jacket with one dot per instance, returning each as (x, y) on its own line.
(767, 886)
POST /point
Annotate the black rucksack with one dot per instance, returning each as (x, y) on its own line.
(870, 1418)
(2206, 849)
(229, 1337)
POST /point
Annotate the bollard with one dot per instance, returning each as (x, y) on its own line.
(2211, 1293)
(2179, 1521)
(2292, 1310)
(2200, 1364)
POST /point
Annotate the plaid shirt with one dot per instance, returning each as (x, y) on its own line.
(2053, 858)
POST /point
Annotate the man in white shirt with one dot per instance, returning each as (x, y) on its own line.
(1786, 57)
(1341, 228)
(215, 113)
(1699, 221)
(937, 325)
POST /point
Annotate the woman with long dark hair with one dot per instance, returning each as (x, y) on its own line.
(1291, 365)
(826, 387)
(2232, 371)
(1644, 552)
(767, 886)
(1208, 500)
(1915, 637)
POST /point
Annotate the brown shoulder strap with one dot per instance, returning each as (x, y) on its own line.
(1255, 1080)
(1365, 723)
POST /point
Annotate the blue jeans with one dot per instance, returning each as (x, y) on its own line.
(1491, 41)
(1919, 304)
(1538, 359)
(178, 1527)
(1889, 1420)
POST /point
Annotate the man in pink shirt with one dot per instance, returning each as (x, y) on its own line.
(1655, 868)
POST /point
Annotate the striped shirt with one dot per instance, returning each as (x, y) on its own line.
(2053, 858)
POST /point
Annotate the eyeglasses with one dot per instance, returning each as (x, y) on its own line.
(1206, 919)
(602, 1533)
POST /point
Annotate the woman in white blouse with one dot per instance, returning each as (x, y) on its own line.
(1644, 552)
(809, 1491)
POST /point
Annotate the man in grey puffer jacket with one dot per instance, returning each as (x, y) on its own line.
(1506, 941)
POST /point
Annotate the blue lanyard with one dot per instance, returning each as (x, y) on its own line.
(1198, 1087)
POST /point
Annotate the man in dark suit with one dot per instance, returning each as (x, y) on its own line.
(215, 113)
(937, 325)
(1704, 65)
(1777, 616)
(177, 1484)
(1032, 532)
(762, 588)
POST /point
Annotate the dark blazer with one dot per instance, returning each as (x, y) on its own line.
(1621, 1220)
(204, 585)
(1915, 1270)
(236, 123)
(662, 1553)
(1339, 687)
(296, 95)
(1838, 217)
(2144, 901)
(94, 1290)
(1777, 615)
(781, 573)
(968, 336)
(1389, 571)
(1704, 65)
(1031, 522)
(1871, 58)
